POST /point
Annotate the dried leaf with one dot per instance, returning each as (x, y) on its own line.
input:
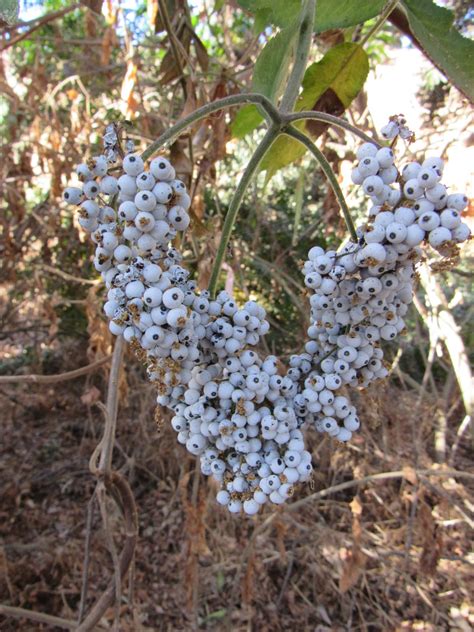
(152, 12)
(201, 51)
(329, 103)
(172, 10)
(191, 101)
(352, 569)
(91, 396)
(432, 541)
(110, 11)
(108, 42)
(168, 68)
(409, 474)
(356, 506)
(180, 159)
(127, 90)
(93, 5)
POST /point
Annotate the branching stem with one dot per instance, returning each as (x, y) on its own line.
(330, 120)
(270, 112)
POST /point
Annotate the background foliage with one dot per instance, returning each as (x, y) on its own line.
(393, 555)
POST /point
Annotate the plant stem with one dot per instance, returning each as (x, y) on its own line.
(302, 51)
(108, 439)
(236, 201)
(389, 7)
(329, 173)
(271, 114)
(298, 206)
(331, 120)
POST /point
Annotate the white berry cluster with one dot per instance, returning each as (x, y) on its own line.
(238, 412)
(230, 407)
(417, 208)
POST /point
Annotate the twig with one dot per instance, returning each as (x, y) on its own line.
(107, 442)
(286, 579)
(203, 112)
(330, 120)
(102, 498)
(120, 490)
(70, 277)
(374, 477)
(85, 571)
(462, 428)
(387, 10)
(40, 617)
(53, 379)
(42, 21)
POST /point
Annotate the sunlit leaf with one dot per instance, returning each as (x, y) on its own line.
(246, 120)
(452, 53)
(334, 82)
(269, 77)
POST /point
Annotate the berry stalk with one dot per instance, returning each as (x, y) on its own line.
(329, 173)
(269, 111)
(236, 201)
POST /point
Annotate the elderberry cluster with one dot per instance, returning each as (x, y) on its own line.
(240, 413)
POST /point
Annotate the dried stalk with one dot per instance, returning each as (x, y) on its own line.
(53, 379)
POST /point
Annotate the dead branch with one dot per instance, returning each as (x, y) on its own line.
(112, 483)
(69, 277)
(41, 22)
(53, 379)
(441, 325)
(120, 490)
(40, 617)
(375, 477)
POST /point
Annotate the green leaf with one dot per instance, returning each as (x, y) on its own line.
(262, 19)
(452, 53)
(344, 13)
(273, 63)
(284, 11)
(269, 77)
(343, 68)
(247, 119)
(277, 12)
(330, 14)
(336, 79)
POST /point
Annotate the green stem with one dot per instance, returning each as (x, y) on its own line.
(302, 52)
(236, 201)
(331, 120)
(329, 173)
(389, 7)
(298, 206)
(270, 112)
